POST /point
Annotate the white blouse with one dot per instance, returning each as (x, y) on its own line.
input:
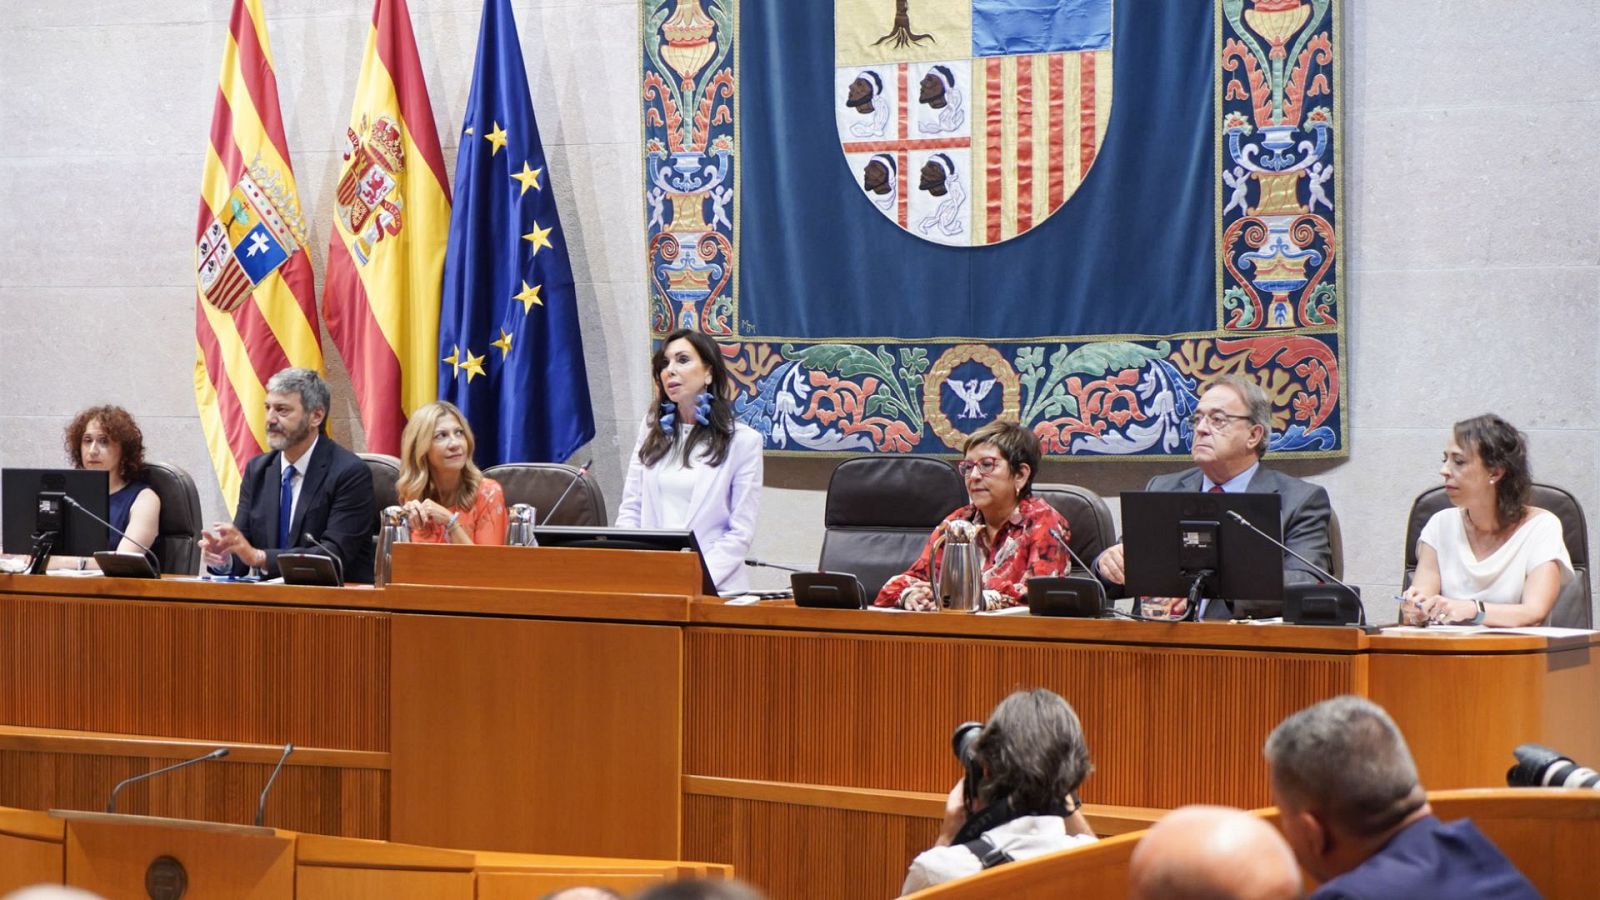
(677, 482)
(1499, 577)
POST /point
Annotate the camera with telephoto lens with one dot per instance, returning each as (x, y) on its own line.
(964, 743)
(1539, 766)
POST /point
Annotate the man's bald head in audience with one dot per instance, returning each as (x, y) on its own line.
(584, 893)
(1213, 853)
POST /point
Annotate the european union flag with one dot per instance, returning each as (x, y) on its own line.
(511, 350)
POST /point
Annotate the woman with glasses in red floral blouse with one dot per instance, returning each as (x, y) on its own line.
(1015, 527)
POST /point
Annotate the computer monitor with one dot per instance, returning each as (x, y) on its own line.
(32, 504)
(1171, 539)
(602, 538)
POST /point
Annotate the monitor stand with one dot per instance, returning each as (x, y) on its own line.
(39, 559)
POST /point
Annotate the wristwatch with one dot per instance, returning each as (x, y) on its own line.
(1478, 619)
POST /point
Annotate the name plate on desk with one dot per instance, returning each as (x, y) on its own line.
(574, 569)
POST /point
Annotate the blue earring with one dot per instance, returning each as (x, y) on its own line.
(669, 417)
(702, 408)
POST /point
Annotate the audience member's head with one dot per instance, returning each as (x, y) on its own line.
(52, 892)
(583, 893)
(1032, 753)
(700, 889)
(1344, 782)
(1213, 853)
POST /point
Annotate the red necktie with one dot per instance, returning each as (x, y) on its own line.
(1215, 489)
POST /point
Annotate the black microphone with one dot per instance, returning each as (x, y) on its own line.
(577, 477)
(155, 564)
(338, 563)
(1318, 570)
(261, 806)
(111, 805)
(752, 561)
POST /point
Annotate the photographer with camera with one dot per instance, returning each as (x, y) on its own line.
(1018, 798)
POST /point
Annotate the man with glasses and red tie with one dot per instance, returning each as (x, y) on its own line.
(307, 494)
(1016, 532)
(1232, 426)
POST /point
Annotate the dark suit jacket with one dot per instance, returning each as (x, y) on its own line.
(336, 504)
(1432, 859)
(1305, 516)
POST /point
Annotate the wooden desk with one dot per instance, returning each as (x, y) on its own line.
(549, 709)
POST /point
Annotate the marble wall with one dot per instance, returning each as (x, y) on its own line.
(1472, 227)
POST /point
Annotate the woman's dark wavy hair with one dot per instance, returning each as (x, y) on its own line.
(120, 427)
(716, 436)
(1032, 750)
(1501, 446)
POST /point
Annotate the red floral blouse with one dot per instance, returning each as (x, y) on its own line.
(1022, 549)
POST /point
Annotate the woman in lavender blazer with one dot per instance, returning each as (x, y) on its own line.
(694, 466)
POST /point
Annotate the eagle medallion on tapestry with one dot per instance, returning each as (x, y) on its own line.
(969, 123)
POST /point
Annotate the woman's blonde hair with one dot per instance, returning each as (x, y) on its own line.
(416, 476)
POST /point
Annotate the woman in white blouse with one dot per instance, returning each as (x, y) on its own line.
(1490, 559)
(695, 466)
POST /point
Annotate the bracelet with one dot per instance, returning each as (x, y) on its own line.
(451, 525)
(1478, 620)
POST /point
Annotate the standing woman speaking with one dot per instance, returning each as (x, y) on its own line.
(694, 466)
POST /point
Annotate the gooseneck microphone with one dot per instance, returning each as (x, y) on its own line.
(338, 564)
(261, 805)
(1062, 540)
(761, 563)
(576, 477)
(1318, 570)
(111, 805)
(155, 564)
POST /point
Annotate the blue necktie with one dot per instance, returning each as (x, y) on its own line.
(285, 507)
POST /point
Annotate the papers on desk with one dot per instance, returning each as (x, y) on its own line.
(1008, 611)
(1535, 630)
(75, 573)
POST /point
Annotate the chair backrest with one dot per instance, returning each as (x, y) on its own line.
(1099, 869)
(880, 511)
(1547, 833)
(385, 471)
(1573, 607)
(178, 534)
(540, 484)
(1088, 517)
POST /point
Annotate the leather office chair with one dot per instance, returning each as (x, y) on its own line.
(1573, 607)
(385, 471)
(1087, 516)
(178, 531)
(880, 511)
(540, 484)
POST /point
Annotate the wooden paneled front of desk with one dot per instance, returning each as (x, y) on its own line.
(540, 701)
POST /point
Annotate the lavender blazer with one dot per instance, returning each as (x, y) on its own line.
(722, 510)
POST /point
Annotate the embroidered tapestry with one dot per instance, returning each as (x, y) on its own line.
(904, 219)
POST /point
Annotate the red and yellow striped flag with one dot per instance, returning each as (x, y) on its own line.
(256, 309)
(391, 222)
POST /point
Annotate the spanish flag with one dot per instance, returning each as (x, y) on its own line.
(256, 310)
(391, 219)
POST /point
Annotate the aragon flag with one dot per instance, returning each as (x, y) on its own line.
(391, 219)
(255, 310)
(509, 338)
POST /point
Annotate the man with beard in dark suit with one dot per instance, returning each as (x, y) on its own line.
(306, 486)
(1232, 425)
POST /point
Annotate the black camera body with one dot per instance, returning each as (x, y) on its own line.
(964, 743)
(1539, 766)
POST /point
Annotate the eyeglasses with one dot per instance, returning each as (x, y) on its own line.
(986, 465)
(1217, 420)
